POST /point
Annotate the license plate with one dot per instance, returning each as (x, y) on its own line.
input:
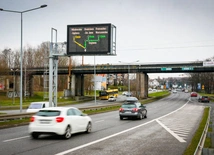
(45, 122)
(128, 112)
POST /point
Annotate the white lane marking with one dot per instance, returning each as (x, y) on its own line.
(171, 132)
(116, 134)
(102, 139)
(99, 121)
(173, 111)
(183, 135)
(180, 131)
(15, 139)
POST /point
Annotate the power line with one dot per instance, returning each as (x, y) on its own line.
(175, 47)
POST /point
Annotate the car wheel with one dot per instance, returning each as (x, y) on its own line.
(67, 134)
(89, 127)
(121, 118)
(140, 116)
(145, 115)
(35, 135)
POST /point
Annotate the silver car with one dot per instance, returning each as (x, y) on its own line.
(132, 108)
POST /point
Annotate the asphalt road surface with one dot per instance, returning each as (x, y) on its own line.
(168, 129)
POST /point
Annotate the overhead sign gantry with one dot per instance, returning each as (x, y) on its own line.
(84, 40)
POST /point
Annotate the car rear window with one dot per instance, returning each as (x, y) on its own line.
(128, 105)
(48, 113)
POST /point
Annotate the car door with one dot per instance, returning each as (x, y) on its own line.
(72, 120)
(81, 120)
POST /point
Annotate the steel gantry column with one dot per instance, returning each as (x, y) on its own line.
(56, 50)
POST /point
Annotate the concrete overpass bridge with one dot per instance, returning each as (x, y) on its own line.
(78, 72)
(182, 67)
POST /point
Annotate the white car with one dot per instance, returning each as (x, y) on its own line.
(112, 99)
(186, 90)
(60, 121)
(124, 93)
(174, 91)
(36, 106)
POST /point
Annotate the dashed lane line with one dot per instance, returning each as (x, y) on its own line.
(15, 139)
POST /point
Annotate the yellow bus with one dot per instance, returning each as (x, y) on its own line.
(105, 94)
(115, 92)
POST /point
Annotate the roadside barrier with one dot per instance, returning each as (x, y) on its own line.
(8, 117)
(200, 146)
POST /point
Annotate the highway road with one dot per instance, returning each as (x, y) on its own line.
(168, 129)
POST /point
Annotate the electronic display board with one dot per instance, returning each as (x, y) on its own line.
(89, 39)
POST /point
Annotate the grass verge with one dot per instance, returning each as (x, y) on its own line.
(196, 138)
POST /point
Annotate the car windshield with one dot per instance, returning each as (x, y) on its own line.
(128, 105)
(48, 113)
(35, 106)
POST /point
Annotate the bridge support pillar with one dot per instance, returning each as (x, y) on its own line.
(73, 84)
(31, 84)
(142, 90)
(79, 85)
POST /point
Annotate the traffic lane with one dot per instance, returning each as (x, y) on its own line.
(98, 102)
(166, 105)
(103, 125)
(169, 134)
(52, 144)
(148, 139)
(155, 109)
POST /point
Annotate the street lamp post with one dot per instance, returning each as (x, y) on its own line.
(14, 83)
(21, 72)
(128, 74)
(128, 80)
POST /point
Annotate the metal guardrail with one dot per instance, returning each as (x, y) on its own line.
(27, 115)
(199, 148)
(15, 116)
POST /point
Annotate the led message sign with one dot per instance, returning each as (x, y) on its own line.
(89, 39)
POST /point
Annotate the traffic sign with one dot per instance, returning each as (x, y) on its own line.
(187, 68)
(166, 69)
(199, 86)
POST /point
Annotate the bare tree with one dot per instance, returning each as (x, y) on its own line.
(205, 80)
(88, 83)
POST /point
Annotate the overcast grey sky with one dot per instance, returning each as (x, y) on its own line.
(147, 30)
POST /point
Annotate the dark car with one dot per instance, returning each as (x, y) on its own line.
(132, 108)
(204, 99)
